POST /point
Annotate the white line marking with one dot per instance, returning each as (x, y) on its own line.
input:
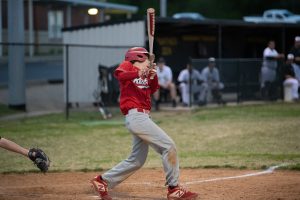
(267, 171)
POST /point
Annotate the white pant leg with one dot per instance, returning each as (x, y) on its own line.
(141, 125)
(203, 92)
(267, 74)
(184, 88)
(145, 133)
(127, 167)
(293, 84)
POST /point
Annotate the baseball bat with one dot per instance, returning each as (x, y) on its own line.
(151, 28)
(151, 31)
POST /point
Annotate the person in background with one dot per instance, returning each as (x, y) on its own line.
(195, 84)
(295, 51)
(212, 78)
(290, 80)
(268, 71)
(102, 88)
(165, 81)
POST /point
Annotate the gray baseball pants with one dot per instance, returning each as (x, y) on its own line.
(145, 133)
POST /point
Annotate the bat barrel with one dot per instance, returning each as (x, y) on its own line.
(151, 27)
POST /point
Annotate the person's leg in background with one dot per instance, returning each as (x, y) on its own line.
(156, 97)
(216, 92)
(173, 93)
(185, 96)
(203, 94)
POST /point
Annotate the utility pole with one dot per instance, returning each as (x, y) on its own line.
(16, 66)
(30, 28)
(163, 8)
(1, 46)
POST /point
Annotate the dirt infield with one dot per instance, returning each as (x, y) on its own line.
(148, 184)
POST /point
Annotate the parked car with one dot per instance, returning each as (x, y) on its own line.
(274, 16)
(188, 15)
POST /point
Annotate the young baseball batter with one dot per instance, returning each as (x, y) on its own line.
(137, 83)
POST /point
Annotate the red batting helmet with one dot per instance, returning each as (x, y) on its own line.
(136, 54)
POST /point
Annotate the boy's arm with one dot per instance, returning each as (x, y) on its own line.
(125, 72)
(153, 83)
(122, 75)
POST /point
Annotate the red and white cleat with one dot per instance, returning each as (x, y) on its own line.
(100, 187)
(179, 193)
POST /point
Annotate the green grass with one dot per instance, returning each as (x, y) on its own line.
(4, 110)
(253, 137)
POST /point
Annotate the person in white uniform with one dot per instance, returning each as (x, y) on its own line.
(194, 87)
(268, 71)
(165, 81)
(291, 84)
(295, 51)
(211, 76)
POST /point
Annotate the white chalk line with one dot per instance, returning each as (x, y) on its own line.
(267, 171)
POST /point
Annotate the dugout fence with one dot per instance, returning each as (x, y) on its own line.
(241, 77)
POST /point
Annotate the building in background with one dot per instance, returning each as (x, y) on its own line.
(44, 20)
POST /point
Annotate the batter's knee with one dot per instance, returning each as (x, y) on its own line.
(172, 155)
(138, 163)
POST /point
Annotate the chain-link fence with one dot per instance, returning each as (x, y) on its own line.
(241, 77)
(43, 76)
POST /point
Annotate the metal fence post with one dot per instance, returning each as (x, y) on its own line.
(238, 82)
(190, 88)
(67, 81)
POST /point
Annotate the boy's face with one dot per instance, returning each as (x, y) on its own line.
(146, 63)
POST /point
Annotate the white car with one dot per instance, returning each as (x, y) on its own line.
(188, 15)
(274, 16)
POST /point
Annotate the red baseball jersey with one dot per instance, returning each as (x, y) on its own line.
(135, 91)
